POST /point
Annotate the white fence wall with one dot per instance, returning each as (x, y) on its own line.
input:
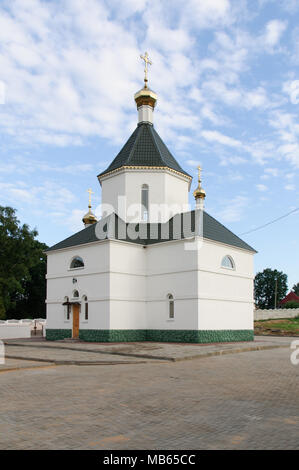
(20, 328)
(8, 331)
(268, 314)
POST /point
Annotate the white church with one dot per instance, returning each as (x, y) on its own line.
(150, 269)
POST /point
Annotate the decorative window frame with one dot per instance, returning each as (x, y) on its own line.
(170, 299)
(75, 297)
(67, 312)
(84, 303)
(143, 211)
(230, 268)
(79, 267)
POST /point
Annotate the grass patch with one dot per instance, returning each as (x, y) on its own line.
(283, 326)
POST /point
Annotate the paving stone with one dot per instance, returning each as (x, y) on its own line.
(235, 401)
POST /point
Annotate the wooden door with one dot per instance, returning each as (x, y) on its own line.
(75, 321)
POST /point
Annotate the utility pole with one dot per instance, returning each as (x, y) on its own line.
(275, 298)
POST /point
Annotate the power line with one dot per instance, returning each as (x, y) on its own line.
(271, 222)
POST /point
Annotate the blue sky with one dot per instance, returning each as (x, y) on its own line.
(227, 78)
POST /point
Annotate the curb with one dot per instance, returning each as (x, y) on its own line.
(70, 363)
(220, 352)
(223, 352)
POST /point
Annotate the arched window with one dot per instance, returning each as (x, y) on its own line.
(85, 307)
(75, 294)
(67, 309)
(227, 262)
(77, 262)
(144, 202)
(170, 306)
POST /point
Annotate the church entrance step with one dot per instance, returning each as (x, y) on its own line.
(71, 340)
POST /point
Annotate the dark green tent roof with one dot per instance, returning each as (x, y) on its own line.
(212, 230)
(144, 148)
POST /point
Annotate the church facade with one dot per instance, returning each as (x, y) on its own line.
(150, 269)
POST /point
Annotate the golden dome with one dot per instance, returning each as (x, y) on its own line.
(145, 96)
(199, 192)
(89, 218)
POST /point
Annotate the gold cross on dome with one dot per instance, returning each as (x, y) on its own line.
(90, 192)
(147, 61)
(199, 173)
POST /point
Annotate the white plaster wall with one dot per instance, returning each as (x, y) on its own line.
(127, 286)
(172, 270)
(95, 256)
(225, 295)
(211, 254)
(165, 188)
(217, 314)
(15, 331)
(92, 281)
(112, 187)
(170, 257)
(176, 192)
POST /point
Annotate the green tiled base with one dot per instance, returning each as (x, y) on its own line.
(116, 336)
(200, 336)
(179, 336)
(54, 335)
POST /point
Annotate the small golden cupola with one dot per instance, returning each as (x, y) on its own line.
(145, 98)
(199, 193)
(89, 218)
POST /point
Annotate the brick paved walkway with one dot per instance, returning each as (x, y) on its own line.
(235, 401)
(76, 352)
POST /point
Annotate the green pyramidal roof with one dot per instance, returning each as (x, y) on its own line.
(211, 230)
(144, 148)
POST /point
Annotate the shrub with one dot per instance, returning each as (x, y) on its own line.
(291, 304)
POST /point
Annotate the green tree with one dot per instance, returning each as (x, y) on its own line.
(30, 302)
(296, 288)
(264, 287)
(22, 267)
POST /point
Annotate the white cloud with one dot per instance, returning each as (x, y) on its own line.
(235, 176)
(234, 209)
(290, 187)
(219, 138)
(262, 187)
(268, 172)
(210, 115)
(287, 127)
(2, 92)
(25, 165)
(292, 89)
(65, 92)
(207, 14)
(232, 160)
(255, 98)
(126, 8)
(173, 40)
(48, 196)
(74, 220)
(274, 31)
(193, 163)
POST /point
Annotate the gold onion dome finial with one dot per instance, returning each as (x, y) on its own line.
(145, 96)
(89, 218)
(199, 192)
